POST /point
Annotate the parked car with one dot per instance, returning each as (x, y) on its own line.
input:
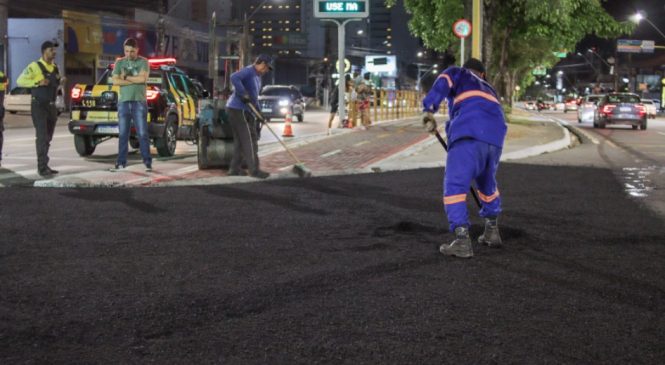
(172, 98)
(276, 101)
(587, 109)
(570, 105)
(19, 98)
(621, 108)
(651, 107)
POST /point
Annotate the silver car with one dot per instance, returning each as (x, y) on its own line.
(587, 108)
(650, 107)
(20, 98)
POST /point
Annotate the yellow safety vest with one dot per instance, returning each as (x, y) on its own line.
(3, 81)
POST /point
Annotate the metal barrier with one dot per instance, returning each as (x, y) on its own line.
(388, 104)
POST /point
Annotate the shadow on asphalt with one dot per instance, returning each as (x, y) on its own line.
(339, 269)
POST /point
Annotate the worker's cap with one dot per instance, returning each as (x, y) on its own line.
(48, 44)
(474, 64)
(264, 58)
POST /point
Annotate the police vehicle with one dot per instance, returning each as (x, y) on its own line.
(172, 98)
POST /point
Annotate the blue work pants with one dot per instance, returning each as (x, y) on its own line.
(469, 160)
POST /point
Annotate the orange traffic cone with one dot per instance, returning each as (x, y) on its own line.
(287, 126)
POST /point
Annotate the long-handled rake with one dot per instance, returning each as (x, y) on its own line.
(299, 168)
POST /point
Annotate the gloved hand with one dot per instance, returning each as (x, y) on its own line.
(429, 122)
(246, 99)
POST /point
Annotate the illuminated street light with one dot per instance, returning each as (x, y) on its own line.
(420, 54)
(639, 16)
(360, 32)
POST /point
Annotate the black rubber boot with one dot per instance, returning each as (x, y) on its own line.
(461, 246)
(491, 236)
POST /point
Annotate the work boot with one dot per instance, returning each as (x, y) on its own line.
(491, 236)
(461, 246)
(260, 174)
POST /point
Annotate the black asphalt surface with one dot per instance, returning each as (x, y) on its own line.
(339, 270)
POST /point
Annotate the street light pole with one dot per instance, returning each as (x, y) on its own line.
(639, 16)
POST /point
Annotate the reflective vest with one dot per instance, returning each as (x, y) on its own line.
(3, 81)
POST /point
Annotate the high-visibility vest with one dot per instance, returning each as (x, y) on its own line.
(3, 81)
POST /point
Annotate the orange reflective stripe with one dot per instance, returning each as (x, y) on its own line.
(450, 81)
(454, 199)
(488, 198)
(468, 94)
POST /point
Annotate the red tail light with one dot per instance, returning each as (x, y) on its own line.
(152, 93)
(641, 109)
(607, 109)
(76, 93)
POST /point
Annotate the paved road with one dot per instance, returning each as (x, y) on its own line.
(636, 157)
(340, 269)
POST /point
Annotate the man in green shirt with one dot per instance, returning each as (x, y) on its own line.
(131, 74)
(43, 78)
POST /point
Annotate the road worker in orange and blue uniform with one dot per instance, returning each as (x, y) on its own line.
(476, 131)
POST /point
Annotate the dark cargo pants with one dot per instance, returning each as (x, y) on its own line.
(245, 142)
(44, 117)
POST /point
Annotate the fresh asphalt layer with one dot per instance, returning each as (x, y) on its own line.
(341, 269)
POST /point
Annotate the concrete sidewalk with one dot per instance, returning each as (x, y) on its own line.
(524, 139)
(387, 146)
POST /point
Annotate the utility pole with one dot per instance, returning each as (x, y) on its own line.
(477, 24)
(4, 36)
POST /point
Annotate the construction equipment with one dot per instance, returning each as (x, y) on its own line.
(445, 147)
(299, 168)
(215, 136)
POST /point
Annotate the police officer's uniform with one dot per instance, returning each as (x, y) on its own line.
(42, 108)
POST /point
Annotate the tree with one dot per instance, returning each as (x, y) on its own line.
(518, 34)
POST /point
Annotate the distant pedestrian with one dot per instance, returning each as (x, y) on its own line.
(476, 132)
(42, 77)
(131, 74)
(364, 92)
(246, 85)
(3, 87)
(334, 102)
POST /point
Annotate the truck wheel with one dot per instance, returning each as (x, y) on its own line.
(134, 143)
(83, 144)
(601, 124)
(166, 144)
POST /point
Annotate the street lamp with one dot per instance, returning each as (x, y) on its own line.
(639, 16)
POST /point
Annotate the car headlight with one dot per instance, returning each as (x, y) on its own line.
(284, 102)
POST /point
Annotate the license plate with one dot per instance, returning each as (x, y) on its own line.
(625, 109)
(107, 130)
(266, 110)
(89, 103)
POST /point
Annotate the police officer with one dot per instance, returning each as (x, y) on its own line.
(246, 85)
(476, 132)
(3, 86)
(43, 78)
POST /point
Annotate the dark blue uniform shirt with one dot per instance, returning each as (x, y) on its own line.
(473, 107)
(245, 82)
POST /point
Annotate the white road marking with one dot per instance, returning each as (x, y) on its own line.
(331, 153)
(661, 133)
(360, 143)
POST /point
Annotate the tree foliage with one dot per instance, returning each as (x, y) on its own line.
(519, 34)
